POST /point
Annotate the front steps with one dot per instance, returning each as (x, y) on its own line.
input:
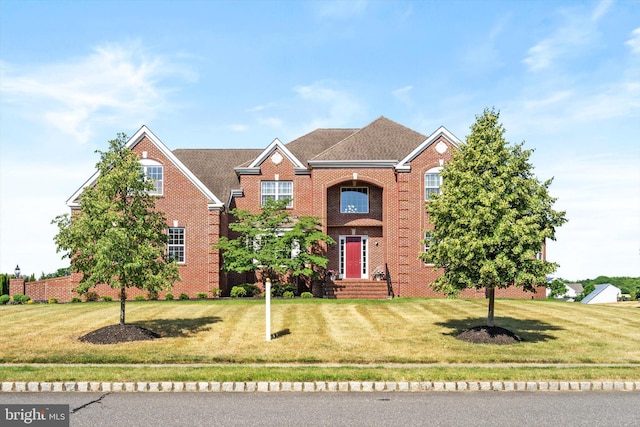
(356, 289)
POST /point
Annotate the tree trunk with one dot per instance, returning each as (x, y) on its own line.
(123, 298)
(491, 294)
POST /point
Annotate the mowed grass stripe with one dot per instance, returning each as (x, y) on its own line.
(400, 330)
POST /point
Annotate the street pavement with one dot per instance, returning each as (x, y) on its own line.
(459, 409)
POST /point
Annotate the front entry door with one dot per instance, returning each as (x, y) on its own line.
(353, 258)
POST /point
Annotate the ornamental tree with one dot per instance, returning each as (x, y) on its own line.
(117, 236)
(274, 243)
(492, 217)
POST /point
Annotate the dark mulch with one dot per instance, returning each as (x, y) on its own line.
(115, 334)
(489, 335)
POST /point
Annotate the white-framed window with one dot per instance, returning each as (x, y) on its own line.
(176, 244)
(153, 171)
(428, 240)
(354, 200)
(432, 182)
(276, 190)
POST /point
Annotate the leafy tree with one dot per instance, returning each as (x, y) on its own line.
(117, 237)
(61, 272)
(492, 217)
(4, 284)
(274, 243)
(557, 288)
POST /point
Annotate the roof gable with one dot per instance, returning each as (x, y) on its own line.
(213, 201)
(405, 163)
(254, 166)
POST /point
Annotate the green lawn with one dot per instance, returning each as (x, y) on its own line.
(326, 331)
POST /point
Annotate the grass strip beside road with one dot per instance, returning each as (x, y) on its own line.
(309, 373)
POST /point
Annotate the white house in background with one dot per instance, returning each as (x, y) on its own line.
(573, 290)
(603, 294)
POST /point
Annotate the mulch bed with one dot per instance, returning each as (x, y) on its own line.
(114, 334)
(489, 335)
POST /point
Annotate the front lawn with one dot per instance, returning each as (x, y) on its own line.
(324, 331)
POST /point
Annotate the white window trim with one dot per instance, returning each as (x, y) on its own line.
(364, 255)
(436, 170)
(146, 163)
(426, 246)
(342, 210)
(183, 245)
(277, 192)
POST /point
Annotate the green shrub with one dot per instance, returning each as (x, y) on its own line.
(139, 298)
(306, 295)
(183, 296)
(287, 295)
(279, 289)
(238, 292)
(251, 289)
(91, 296)
(106, 298)
(4, 299)
(76, 299)
(53, 300)
(201, 295)
(152, 295)
(168, 297)
(21, 299)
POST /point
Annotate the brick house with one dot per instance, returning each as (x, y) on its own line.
(367, 185)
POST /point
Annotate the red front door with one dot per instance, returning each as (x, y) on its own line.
(353, 258)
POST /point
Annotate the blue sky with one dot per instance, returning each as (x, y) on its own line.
(565, 76)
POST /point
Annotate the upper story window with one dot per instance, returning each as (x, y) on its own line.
(154, 172)
(276, 190)
(176, 244)
(354, 200)
(432, 182)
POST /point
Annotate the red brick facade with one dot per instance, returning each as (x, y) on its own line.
(389, 235)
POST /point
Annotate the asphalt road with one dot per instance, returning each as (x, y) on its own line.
(344, 409)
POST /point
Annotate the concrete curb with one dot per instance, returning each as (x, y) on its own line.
(314, 386)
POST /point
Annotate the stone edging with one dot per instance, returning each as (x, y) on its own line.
(317, 386)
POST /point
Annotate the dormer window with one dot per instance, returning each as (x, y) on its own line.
(153, 172)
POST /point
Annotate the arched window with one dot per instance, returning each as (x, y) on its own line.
(432, 182)
(153, 171)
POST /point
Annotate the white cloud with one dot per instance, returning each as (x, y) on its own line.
(403, 95)
(273, 122)
(335, 107)
(634, 41)
(112, 83)
(238, 127)
(575, 32)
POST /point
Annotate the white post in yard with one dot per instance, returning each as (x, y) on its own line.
(267, 294)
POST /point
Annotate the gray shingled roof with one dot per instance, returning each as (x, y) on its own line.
(383, 139)
(310, 145)
(214, 167)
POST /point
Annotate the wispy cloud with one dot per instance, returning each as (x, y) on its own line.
(238, 127)
(634, 41)
(75, 96)
(333, 107)
(576, 32)
(403, 95)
